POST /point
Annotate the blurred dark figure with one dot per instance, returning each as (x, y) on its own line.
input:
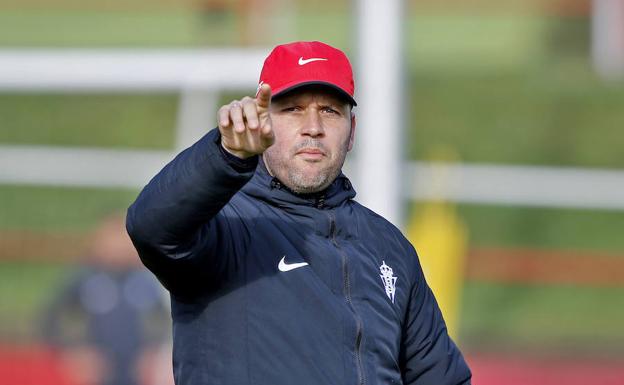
(110, 319)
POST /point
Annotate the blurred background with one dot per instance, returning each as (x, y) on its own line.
(520, 101)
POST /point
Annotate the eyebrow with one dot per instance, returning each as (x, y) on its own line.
(334, 102)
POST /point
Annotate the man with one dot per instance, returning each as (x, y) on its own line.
(277, 276)
(109, 320)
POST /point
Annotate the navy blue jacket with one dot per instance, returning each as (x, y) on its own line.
(269, 287)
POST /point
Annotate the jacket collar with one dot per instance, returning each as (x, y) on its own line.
(270, 189)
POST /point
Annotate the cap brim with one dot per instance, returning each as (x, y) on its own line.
(340, 91)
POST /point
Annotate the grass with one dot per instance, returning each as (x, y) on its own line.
(25, 290)
(543, 318)
(522, 117)
(492, 41)
(142, 121)
(569, 229)
(58, 208)
(87, 28)
(162, 28)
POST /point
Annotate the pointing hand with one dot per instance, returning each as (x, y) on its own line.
(245, 125)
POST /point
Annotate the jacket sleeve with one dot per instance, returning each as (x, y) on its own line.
(428, 355)
(178, 223)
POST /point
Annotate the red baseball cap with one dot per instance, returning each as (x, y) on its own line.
(294, 65)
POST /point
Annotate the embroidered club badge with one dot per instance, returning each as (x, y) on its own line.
(388, 279)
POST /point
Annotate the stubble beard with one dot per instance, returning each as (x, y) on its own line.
(287, 171)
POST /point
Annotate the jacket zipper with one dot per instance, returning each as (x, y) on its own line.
(347, 293)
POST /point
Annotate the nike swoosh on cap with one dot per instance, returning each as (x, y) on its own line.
(303, 61)
(283, 266)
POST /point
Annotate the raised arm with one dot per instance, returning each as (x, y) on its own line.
(175, 223)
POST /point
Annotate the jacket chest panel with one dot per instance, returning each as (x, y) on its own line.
(293, 314)
(292, 258)
(379, 299)
(378, 279)
(323, 286)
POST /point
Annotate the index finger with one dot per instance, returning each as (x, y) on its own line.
(263, 99)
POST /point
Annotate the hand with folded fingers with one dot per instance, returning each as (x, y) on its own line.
(245, 124)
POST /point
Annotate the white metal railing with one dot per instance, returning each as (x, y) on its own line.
(467, 183)
(198, 75)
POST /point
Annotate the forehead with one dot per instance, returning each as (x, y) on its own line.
(318, 93)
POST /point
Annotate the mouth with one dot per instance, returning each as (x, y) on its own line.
(311, 153)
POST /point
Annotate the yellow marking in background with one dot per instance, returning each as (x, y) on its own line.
(441, 240)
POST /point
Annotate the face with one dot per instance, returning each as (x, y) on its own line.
(111, 247)
(314, 129)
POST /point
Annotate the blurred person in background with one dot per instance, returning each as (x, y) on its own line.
(277, 276)
(110, 319)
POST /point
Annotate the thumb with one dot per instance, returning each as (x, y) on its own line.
(267, 136)
(263, 99)
(267, 129)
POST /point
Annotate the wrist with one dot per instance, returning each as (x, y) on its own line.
(239, 163)
(238, 154)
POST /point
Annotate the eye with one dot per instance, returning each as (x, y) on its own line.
(291, 109)
(329, 110)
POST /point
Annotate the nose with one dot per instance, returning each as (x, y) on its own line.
(313, 125)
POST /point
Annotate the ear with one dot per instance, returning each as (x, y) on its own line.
(352, 134)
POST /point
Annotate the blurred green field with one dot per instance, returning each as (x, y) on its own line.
(58, 208)
(558, 116)
(489, 87)
(146, 121)
(161, 28)
(25, 291)
(543, 319)
(78, 210)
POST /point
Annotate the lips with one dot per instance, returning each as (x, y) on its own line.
(312, 154)
(314, 151)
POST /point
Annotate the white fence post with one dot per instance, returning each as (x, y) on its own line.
(196, 115)
(607, 40)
